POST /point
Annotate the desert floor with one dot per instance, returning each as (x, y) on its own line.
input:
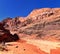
(32, 46)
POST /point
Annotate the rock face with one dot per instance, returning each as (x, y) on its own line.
(5, 35)
(42, 23)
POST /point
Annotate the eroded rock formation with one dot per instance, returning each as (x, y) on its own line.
(43, 23)
(5, 35)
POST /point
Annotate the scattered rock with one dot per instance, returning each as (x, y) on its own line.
(16, 46)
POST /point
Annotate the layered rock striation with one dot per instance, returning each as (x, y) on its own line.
(42, 23)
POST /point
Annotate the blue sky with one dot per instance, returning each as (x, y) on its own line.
(13, 8)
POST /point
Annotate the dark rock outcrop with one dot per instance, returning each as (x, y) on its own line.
(6, 36)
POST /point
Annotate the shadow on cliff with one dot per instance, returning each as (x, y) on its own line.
(6, 36)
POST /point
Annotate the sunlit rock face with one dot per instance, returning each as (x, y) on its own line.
(44, 23)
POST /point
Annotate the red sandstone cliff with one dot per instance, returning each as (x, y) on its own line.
(39, 24)
(42, 23)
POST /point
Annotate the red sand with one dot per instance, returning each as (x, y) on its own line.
(25, 48)
(55, 51)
